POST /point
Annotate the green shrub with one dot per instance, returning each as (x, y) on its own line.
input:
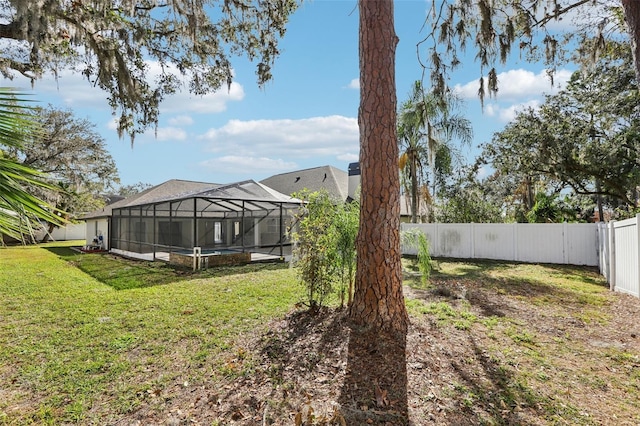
(324, 246)
(315, 254)
(415, 238)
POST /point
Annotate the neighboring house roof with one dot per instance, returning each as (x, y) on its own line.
(405, 206)
(174, 188)
(334, 180)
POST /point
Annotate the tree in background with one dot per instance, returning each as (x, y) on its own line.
(426, 126)
(549, 209)
(465, 199)
(74, 158)
(586, 136)
(129, 190)
(20, 210)
(116, 44)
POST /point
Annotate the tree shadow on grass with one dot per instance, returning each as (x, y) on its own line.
(588, 275)
(490, 393)
(125, 274)
(477, 283)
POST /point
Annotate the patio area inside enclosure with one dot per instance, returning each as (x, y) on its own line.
(242, 217)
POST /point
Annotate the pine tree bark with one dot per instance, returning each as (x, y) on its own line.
(632, 16)
(378, 299)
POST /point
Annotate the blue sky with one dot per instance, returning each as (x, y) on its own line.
(305, 117)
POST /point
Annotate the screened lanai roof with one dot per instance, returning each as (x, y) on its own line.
(174, 188)
(248, 195)
(245, 196)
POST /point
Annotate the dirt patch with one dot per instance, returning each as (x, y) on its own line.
(475, 354)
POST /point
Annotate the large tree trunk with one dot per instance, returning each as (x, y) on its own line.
(632, 15)
(378, 300)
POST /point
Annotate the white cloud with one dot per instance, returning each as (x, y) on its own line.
(161, 134)
(349, 158)
(70, 89)
(519, 84)
(211, 103)
(483, 172)
(354, 84)
(235, 164)
(169, 134)
(181, 120)
(112, 124)
(331, 136)
(507, 114)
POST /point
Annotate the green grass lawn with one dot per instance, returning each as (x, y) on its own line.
(91, 333)
(94, 339)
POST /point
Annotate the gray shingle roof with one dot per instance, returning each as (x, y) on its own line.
(334, 180)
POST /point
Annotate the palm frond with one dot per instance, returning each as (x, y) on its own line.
(20, 211)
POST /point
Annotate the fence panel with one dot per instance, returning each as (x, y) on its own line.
(625, 258)
(454, 240)
(544, 243)
(614, 247)
(494, 241)
(582, 244)
(73, 231)
(540, 243)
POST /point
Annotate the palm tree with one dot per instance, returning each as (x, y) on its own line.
(426, 128)
(20, 210)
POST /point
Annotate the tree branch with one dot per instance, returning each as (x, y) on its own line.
(558, 12)
(11, 31)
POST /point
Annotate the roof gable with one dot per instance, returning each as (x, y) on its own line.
(333, 180)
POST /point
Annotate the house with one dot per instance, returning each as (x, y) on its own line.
(329, 178)
(177, 216)
(405, 199)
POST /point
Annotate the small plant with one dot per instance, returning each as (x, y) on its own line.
(346, 229)
(315, 245)
(415, 238)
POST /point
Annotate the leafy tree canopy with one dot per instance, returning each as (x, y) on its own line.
(586, 137)
(136, 188)
(464, 199)
(74, 158)
(113, 44)
(427, 126)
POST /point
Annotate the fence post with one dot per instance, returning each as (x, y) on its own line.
(516, 243)
(612, 256)
(602, 239)
(638, 252)
(565, 243)
(472, 240)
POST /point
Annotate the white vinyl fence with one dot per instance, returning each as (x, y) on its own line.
(73, 231)
(562, 243)
(619, 254)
